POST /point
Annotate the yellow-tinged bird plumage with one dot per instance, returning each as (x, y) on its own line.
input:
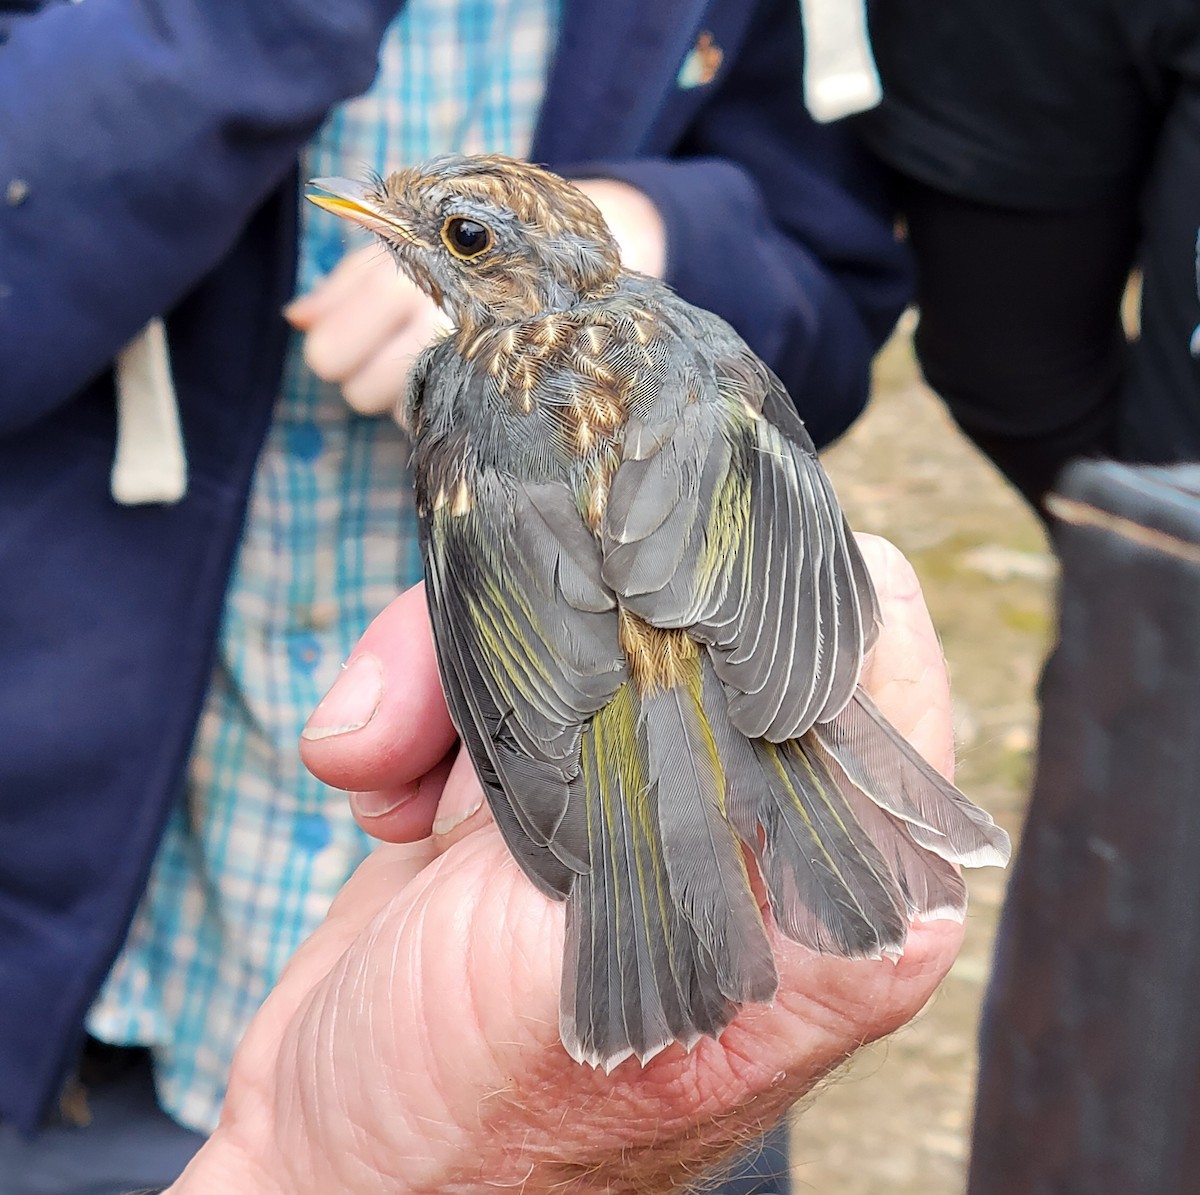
(650, 619)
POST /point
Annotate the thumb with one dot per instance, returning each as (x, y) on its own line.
(384, 723)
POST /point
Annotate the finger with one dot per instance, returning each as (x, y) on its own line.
(379, 385)
(384, 723)
(635, 222)
(906, 672)
(328, 292)
(354, 329)
(404, 813)
(463, 809)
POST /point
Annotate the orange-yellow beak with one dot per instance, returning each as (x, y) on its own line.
(351, 201)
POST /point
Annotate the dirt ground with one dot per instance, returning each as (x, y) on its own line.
(898, 1119)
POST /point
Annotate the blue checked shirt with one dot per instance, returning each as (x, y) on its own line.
(257, 848)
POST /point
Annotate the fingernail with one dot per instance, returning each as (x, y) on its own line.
(445, 822)
(379, 804)
(351, 703)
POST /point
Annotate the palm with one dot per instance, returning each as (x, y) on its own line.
(445, 999)
(412, 1045)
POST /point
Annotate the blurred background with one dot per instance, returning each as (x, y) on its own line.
(898, 1120)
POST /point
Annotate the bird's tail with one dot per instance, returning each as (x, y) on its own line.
(854, 833)
(664, 936)
(854, 836)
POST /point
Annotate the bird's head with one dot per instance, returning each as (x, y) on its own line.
(490, 238)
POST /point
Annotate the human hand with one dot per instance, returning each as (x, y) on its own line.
(633, 220)
(412, 1044)
(363, 326)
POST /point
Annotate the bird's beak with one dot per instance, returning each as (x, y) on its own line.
(351, 201)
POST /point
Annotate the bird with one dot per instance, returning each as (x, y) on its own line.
(650, 619)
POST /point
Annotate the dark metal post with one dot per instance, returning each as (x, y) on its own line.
(1090, 1079)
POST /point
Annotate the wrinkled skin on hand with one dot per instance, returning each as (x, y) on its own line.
(412, 1045)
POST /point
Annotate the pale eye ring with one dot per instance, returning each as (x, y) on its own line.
(466, 238)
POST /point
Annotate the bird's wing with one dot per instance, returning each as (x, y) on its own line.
(526, 634)
(721, 520)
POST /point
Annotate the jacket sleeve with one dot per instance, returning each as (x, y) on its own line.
(781, 226)
(139, 137)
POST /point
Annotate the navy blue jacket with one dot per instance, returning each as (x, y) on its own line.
(155, 142)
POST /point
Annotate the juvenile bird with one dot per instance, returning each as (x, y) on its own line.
(650, 618)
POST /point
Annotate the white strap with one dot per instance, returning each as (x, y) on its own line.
(149, 465)
(839, 69)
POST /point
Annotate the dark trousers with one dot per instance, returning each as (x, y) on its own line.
(129, 1145)
(1020, 317)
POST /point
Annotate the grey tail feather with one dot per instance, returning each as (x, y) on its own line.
(638, 972)
(704, 861)
(830, 887)
(932, 888)
(887, 768)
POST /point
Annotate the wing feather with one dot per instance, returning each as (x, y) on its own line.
(721, 521)
(526, 634)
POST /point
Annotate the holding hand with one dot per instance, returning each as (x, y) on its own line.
(364, 326)
(412, 1044)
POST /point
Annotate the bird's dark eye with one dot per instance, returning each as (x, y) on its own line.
(466, 238)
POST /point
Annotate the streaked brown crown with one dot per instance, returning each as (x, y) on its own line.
(539, 198)
(545, 244)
